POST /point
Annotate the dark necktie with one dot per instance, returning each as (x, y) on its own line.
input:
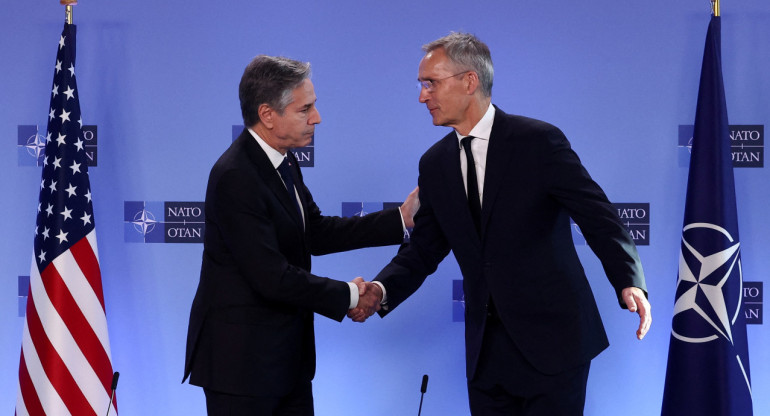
(284, 169)
(474, 204)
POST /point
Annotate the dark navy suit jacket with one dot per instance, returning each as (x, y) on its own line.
(251, 322)
(524, 259)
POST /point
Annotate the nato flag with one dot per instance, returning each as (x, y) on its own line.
(708, 359)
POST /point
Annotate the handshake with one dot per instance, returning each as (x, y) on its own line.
(369, 299)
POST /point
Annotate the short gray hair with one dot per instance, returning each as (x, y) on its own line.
(269, 80)
(469, 53)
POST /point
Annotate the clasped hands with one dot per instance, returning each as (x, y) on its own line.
(369, 299)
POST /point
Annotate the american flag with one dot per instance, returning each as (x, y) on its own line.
(65, 366)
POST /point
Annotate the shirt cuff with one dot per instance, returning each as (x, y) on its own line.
(384, 300)
(353, 295)
(407, 233)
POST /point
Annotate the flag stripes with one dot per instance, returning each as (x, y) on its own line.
(65, 366)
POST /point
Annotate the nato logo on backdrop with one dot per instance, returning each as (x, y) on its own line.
(752, 302)
(458, 301)
(23, 295)
(163, 222)
(359, 209)
(747, 143)
(635, 217)
(31, 145)
(305, 155)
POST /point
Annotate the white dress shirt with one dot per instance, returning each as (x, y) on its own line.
(481, 131)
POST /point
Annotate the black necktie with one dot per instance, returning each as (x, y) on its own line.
(474, 204)
(284, 169)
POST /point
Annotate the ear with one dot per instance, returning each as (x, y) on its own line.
(266, 115)
(471, 82)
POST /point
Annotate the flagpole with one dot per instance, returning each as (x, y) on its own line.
(68, 9)
(715, 8)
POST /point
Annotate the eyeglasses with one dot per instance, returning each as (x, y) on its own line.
(429, 84)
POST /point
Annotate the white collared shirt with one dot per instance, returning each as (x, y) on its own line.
(482, 130)
(276, 158)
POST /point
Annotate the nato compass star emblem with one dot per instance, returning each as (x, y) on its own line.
(709, 262)
(144, 222)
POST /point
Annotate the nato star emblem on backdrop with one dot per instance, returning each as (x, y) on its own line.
(31, 144)
(163, 222)
(305, 155)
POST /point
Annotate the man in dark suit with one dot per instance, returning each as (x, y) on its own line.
(498, 191)
(250, 341)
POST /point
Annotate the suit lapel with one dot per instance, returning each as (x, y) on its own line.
(456, 197)
(297, 176)
(499, 155)
(270, 175)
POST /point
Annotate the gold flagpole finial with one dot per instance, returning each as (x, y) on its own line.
(68, 9)
(715, 8)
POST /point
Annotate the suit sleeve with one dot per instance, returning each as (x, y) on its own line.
(331, 234)
(572, 186)
(259, 241)
(416, 261)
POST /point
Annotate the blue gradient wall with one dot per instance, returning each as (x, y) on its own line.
(159, 79)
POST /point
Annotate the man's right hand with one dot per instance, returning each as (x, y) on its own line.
(369, 299)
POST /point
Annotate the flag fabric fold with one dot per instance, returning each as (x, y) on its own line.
(708, 361)
(65, 366)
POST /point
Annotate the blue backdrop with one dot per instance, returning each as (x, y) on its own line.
(159, 80)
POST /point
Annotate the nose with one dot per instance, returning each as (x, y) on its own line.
(424, 94)
(315, 116)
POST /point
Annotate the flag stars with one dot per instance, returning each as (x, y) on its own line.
(46, 230)
(60, 139)
(80, 121)
(48, 137)
(67, 214)
(88, 195)
(42, 184)
(52, 186)
(49, 210)
(56, 162)
(72, 70)
(55, 90)
(58, 66)
(65, 116)
(75, 167)
(61, 42)
(41, 256)
(86, 218)
(70, 93)
(51, 115)
(71, 190)
(79, 144)
(62, 236)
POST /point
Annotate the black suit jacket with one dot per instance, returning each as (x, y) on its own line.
(251, 322)
(524, 260)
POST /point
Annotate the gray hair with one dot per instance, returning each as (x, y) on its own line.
(269, 80)
(467, 52)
